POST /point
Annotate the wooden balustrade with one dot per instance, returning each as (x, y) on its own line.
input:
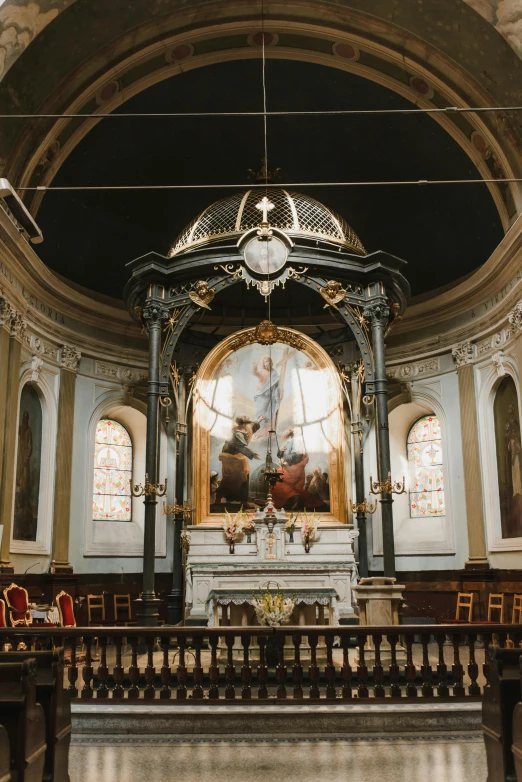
(263, 664)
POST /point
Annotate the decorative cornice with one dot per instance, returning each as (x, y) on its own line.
(515, 317)
(119, 373)
(18, 325)
(463, 354)
(69, 357)
(418, 369)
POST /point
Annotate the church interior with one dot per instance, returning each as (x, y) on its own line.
(260, 389)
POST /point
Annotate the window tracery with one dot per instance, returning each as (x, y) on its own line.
(112, 472)
(425, 464)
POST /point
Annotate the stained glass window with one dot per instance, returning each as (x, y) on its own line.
(426, 469)
(112, 472)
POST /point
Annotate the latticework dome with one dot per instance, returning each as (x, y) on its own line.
(294, 213)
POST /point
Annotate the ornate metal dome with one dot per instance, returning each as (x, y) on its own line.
(294, 213)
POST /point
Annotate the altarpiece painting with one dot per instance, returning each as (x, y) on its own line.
(244, 394)
(27, 489)
(509, 458)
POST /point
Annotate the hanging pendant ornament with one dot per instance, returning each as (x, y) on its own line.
(265, 250)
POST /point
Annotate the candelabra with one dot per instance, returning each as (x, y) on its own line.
(159, 489)
(186, 509)
(363, 507)
(378, 487)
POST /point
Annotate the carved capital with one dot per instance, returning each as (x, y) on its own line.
(36, 366)
(153, 314)
(69, 357)
(18, 325)
(515, 317)
(377, 314)
(5, 313)
(463, 353)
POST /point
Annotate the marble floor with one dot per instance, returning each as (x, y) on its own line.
(438, 758)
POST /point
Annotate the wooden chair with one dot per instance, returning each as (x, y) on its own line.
(496, 603)
(464, 603)
(95, 603)
(55, 701)
(17, 599)
(122, 604)
(516, 613)
(65, 609)
(23, 718)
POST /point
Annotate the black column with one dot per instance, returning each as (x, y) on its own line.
(357, 433)
(377, 314)
(147, 608)
(175, 597)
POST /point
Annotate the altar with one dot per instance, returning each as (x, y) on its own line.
(330, 565)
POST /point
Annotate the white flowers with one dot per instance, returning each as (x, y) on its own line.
(235, 525)
(273, 610)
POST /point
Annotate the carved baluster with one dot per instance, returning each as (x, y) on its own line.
(297, 670)
(346, 669)
(134, 672)
(473, 669)
(281, 672)
(213, 671)
(103, 671)
(411, 671)
(87, 671)
(313, 671)
(150, 671)
(426, 670)
(457, 669)
(329, 670)
(262, 670)
(485, 666)
(246, 670)
(395, 689)
(378, 673)
(230, 670)
(442, 669)
(72, 673)
(117, 672)
(197, 691)
(362, 669)
(181, 690)
(165, 691)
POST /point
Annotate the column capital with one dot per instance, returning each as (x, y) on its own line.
(377, 313)
(69, 357)
(463, 354)
(18, 325)
(6, 311)
(153, 313)
(515, 317)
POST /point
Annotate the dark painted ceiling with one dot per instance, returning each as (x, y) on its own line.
(443, 231)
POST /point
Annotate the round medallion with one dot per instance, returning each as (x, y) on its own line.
(265, 256)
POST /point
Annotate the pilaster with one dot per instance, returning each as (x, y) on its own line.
(17, 327)
(68, 359)
(463, 356)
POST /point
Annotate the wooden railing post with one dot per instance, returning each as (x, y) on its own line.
(165, 692)
(103, 671)
(181, 673)
(457, 669)
(411, 672)
(213, 671)
(297, 668)
(281, 667)
(378, 673)
(262, 670)
(362, 669)
(346, 669)
(331, 692)
(134, 672)
(150, 671)
(473, 688)
(230, 671)
(313, 671)
(197, 674)
(72, 673)
(442, 670)
(395, 689)
(87, 671)
(246, 670)
(426, 670)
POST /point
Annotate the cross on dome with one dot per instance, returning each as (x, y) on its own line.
(265, 205)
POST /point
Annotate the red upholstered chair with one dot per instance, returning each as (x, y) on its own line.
(17, 601)
(66, 609)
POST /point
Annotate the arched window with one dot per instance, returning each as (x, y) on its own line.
(426, 469)
(112, 472)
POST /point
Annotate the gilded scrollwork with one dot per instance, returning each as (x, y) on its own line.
(266, 333)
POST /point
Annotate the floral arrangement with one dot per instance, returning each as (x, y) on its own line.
(290, 524)
(273, 610)
(233, 525)
(309, 529)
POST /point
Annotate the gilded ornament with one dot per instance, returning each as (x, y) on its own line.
(267, 333)
(387, 487)
(332, 293)
(202, 294)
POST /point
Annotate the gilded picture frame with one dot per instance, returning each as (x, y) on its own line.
(338, 466)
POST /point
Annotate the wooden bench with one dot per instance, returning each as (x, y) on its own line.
(5, 756)
(24, 720)
(56, 704)
(498, 705)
